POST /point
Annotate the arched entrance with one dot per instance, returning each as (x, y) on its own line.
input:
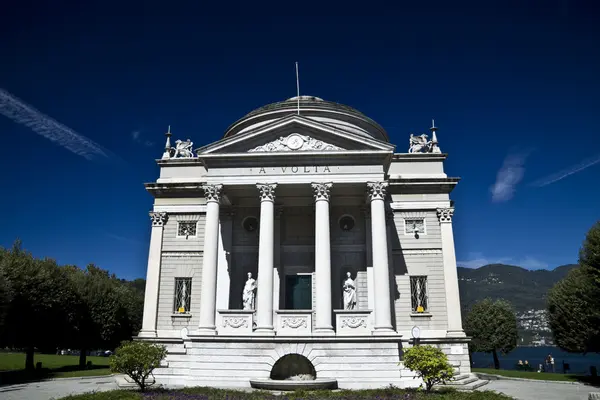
(293, 366)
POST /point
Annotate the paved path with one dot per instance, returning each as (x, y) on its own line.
(56, 389)
(543, 390)
(521, 390)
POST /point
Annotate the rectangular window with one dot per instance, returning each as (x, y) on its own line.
(183, 295)
(186, 229)
(414, 225)
(418, 290)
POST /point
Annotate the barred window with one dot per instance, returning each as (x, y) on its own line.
(183, 297)
(414, 225)
(418, 290)
(186, 229)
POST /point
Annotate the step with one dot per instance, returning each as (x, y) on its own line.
(475, 385)
(460, 377)
(463, 381)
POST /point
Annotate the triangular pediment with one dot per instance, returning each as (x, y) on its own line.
(295, 134)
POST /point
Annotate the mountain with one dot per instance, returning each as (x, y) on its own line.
(524, 289)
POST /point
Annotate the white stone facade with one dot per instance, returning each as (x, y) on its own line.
(299, 201)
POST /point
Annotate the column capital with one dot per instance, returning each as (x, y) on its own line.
(267, 191)
(212, 193)
(321, 190)
(377, 190)
(445, 214)
(159, 218)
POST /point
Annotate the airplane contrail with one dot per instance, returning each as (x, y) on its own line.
(24, 114)
(567, 171)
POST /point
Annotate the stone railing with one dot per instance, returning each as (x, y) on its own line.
(352, 322)
(235, 322)
(294, 322)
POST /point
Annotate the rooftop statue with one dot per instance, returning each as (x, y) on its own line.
(183, 149)
(422, 144)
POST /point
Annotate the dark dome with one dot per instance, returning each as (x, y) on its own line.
(327, 112)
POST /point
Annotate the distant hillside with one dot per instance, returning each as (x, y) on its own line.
(525, 289)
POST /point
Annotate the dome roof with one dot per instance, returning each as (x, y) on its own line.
(327, 112)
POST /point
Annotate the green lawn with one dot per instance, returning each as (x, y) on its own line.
(53, 366)
(542, 376)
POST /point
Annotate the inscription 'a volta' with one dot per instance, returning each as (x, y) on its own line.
(295, 170)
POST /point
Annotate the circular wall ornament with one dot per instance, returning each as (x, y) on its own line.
(294, 141)
(250, 224)
(346, 222)
(416, 332)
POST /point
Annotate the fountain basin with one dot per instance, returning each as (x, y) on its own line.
(276, 384)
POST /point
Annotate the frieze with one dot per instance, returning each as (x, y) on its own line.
(235, 322)
(354, 322)
(294, 322)
(292, 170)
(419, 252)
(181, 254)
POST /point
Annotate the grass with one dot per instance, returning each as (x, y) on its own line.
(53, 366)
(542, 376)
(202, 393)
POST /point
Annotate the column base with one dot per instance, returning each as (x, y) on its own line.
(384, 330)
(328, 331)
(265, 331)
(456, 334)
(206, 331)
(147, 334)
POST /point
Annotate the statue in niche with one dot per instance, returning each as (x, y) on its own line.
(248, 294)
(349, 293)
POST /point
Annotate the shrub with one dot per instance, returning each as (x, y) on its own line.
(137, 360)
(430, 364)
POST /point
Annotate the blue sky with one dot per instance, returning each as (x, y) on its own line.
(513, 87)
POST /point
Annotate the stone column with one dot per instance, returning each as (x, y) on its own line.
(369, 259)
(322, 259)
(153, 275)
(266, 246)
(450, 273)
(208, 295)
(379, 248)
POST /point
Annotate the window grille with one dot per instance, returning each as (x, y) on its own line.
(410, 225)
(418, 289)
(186, 229)
(183, 297)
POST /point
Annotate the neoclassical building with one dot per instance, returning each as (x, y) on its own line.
(302, 235)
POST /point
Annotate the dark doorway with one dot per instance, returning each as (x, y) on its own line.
(298, 292)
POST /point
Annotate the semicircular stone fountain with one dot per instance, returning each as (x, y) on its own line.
(293, 372)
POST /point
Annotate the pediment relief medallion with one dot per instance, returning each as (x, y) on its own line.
(295, 142)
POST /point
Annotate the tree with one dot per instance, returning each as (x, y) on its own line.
(43, 306)
(430, 364)
(137, 360)
(493, 328)
(574, 302)
(105, 320)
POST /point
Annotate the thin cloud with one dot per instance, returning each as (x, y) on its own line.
(476, 260)
(567, 172)
(24, 114)
(508, 177)
(137, 138)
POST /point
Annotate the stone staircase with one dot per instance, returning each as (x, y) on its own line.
(466, 382)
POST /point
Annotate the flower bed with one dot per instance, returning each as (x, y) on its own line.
(221, 394)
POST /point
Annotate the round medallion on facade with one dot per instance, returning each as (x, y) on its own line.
(294, 141)
(250, 224)
(346, 222)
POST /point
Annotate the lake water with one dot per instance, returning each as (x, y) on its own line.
(578, 363)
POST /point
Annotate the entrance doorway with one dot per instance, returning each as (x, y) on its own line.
(298, 292)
